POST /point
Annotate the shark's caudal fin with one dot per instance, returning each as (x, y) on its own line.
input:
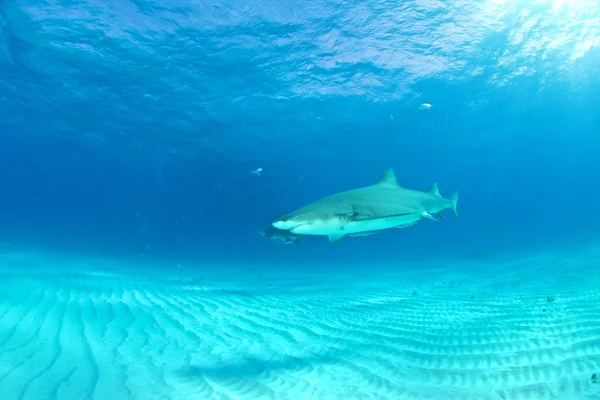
(435, 190)
(454, 200)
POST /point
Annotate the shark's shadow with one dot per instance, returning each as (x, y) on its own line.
(252, 367)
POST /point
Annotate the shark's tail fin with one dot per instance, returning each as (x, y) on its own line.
(454, 200)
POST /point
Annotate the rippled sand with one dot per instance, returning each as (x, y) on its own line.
(480, 328)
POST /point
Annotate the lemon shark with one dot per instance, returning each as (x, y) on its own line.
(367, 210)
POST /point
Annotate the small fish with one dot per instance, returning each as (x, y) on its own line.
(425, 106)
(257, 171)
(279, 235)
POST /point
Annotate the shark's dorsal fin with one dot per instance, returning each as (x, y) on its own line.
(434, 189)
(388, 179)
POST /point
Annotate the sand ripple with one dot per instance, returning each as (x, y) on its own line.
(76, 329)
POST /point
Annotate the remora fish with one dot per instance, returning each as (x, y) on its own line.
(279, 235)
(383, 205)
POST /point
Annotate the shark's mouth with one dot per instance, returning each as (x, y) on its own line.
(297, 227)
(287, 225)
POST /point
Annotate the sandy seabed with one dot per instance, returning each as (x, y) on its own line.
(504, 327)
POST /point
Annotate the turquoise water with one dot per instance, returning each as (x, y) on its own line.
(131, 264)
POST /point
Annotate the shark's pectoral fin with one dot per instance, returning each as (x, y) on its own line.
(425, 214)
(336, 237)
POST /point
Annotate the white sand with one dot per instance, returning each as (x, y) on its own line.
(96, 329)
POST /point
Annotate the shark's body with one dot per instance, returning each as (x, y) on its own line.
(279, 235)
(355, 212)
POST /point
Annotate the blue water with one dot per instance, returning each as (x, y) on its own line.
(129, 130)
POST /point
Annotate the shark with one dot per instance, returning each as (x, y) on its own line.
(367, 210)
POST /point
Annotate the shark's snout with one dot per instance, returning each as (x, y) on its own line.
(286, 224)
